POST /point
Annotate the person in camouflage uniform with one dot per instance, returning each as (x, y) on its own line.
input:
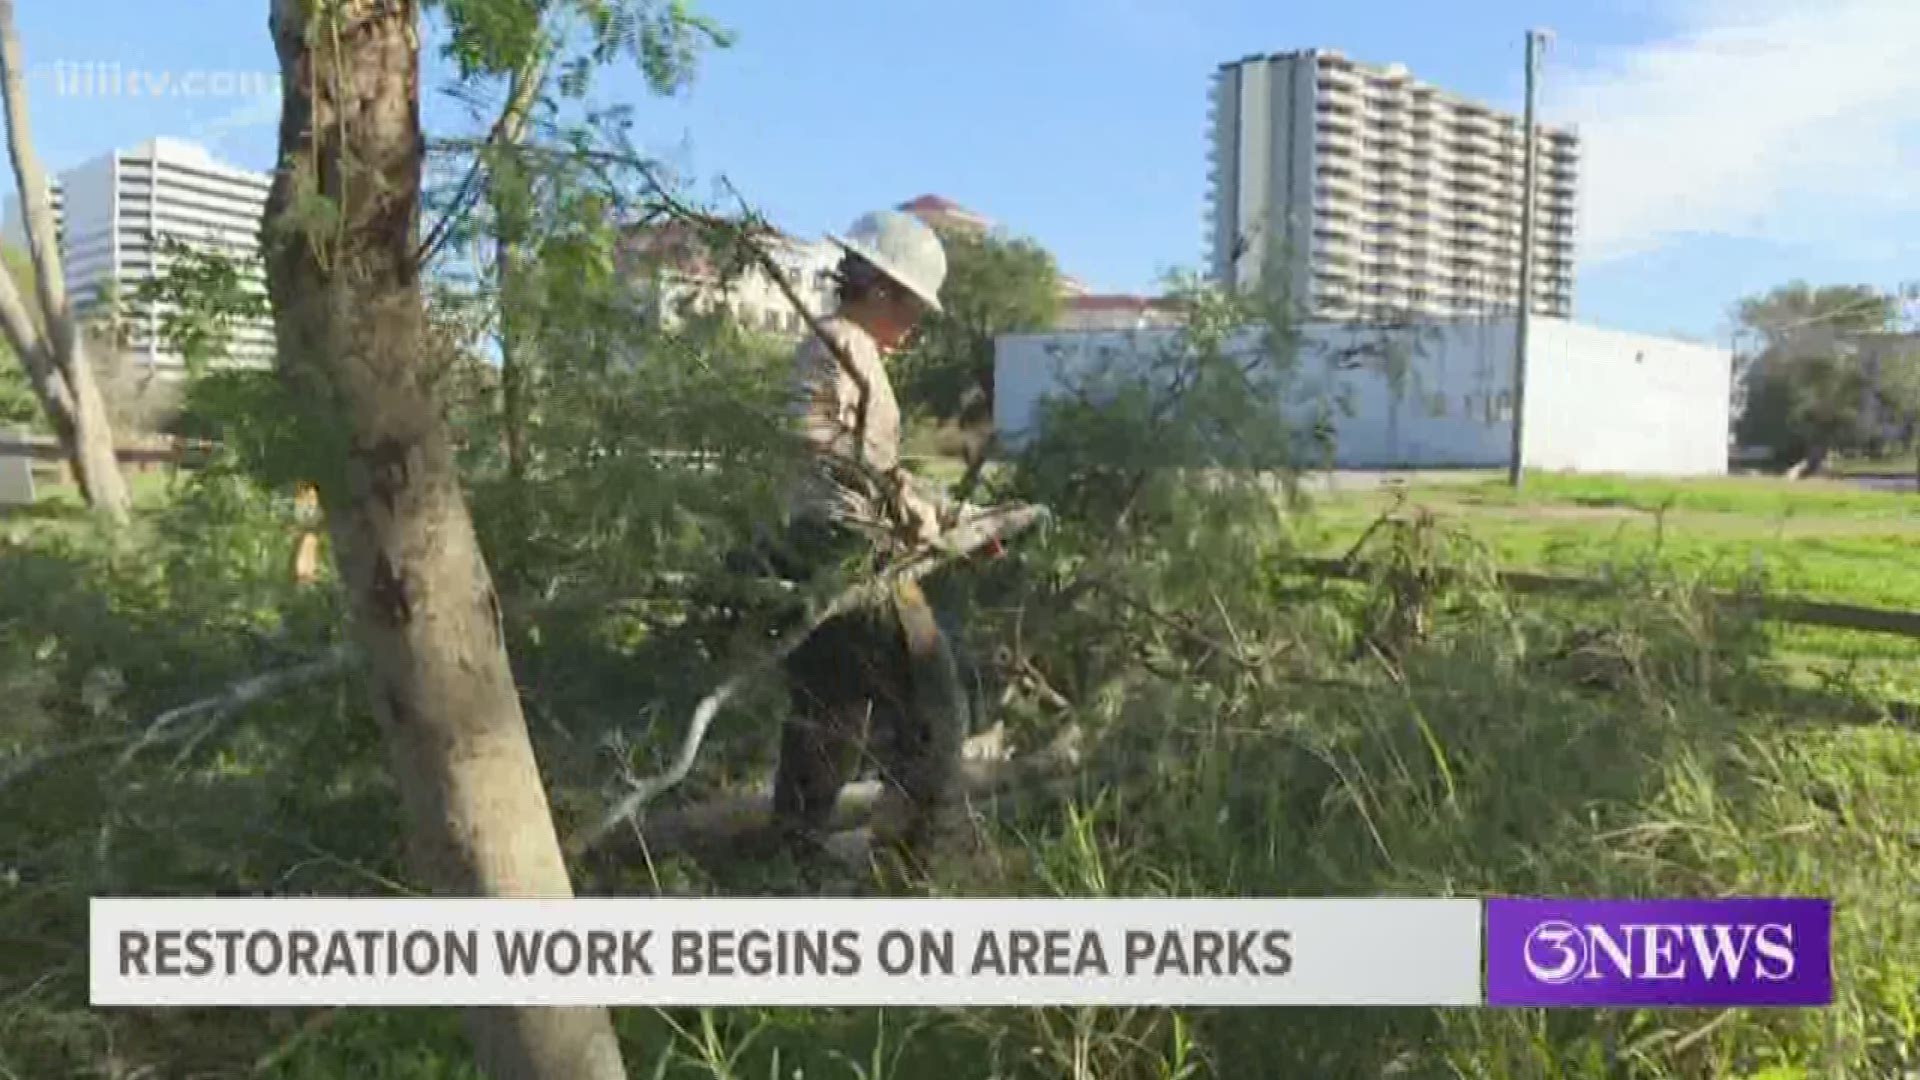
(879, 681)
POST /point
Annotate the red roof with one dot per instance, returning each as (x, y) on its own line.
(932, 204)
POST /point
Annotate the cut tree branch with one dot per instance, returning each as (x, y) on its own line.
(726, 820)
(30, 764)
(971, 535)
(235, 697)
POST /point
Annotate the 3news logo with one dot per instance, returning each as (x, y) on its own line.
(1756, 952)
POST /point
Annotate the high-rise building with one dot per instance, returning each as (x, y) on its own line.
(114, 214)
(1381, 196)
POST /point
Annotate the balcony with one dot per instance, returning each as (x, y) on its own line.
(1339, 185)
(1338, 75)
(1334, 232)
(1465, 181)
(1339, 128)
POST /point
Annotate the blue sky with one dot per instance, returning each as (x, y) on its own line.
(1731, 144)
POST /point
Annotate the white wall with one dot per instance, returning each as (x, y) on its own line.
(1591, 405)
(1608, 401)
(1439, 415)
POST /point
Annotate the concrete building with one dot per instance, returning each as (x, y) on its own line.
(678, 275)
(113, 212)
(1116, 311)
(1385, 196)
(1439, 395)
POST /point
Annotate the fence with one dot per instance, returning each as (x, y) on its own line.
(144, 455)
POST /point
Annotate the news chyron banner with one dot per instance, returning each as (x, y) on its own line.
(843, 952)
(785, 952)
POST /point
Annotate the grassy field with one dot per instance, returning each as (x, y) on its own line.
(1814, 539)
(1632, 746)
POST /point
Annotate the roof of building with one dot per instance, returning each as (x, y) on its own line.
(939, 203)
(940, 210)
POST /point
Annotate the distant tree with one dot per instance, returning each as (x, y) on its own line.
(1804, 407)
(995, 285)
(1806, 392)
(1897, 385)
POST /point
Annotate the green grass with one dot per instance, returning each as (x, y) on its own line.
(1815, 540)
(1759, 498)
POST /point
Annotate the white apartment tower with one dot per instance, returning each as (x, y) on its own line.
(113, 211)
(1384, 197)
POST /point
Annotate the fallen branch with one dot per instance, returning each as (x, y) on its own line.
(235, 697)
(969, 536)
(726, 820)
(30, 764)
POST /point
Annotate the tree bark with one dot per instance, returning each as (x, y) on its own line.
(343, 274)
(56, 360)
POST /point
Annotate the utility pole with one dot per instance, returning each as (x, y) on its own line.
(1523, 322)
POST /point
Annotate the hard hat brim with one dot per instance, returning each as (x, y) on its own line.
(885, 266)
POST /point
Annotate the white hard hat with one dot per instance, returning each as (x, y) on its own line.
(902, 247)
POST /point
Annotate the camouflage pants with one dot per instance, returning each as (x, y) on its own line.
(878, 685)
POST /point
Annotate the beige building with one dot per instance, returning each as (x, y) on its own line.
(1383, 196)
(1116, 311)
(678, 276)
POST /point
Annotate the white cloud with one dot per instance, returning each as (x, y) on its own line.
(1776, 119)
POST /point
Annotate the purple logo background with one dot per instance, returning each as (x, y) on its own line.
(1761, 951)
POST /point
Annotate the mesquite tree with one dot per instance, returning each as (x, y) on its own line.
(343, 271)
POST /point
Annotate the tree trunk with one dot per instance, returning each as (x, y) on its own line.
(56, 359)
(96, 467)
(349, 314)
